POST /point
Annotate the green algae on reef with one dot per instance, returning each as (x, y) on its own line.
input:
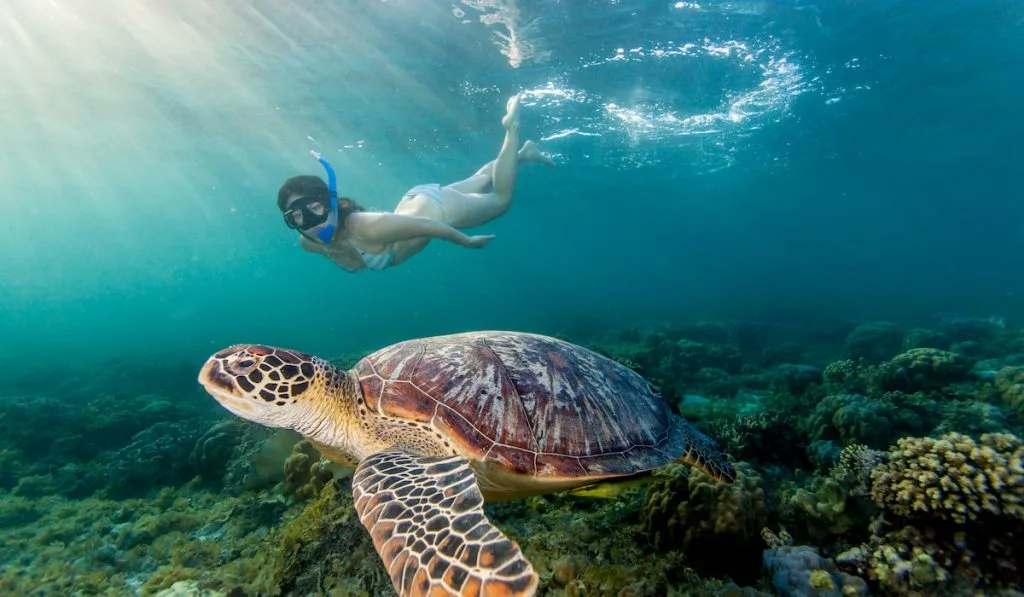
(143, 494)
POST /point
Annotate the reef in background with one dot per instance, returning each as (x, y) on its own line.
(871, 460)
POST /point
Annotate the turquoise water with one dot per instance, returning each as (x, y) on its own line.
(799, 221)
(833, 160)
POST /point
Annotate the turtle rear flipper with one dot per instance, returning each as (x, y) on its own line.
(426, 517)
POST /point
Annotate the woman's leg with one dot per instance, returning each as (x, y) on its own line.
(466, 210)
(478, 183)
(482, 181)
(507, 165)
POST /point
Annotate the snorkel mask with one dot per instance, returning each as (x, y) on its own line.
(311, 219)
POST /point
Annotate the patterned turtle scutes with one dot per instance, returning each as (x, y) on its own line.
(426, 517)
(533, 405)
(274, 375)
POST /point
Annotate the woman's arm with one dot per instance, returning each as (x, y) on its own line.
(387, 228)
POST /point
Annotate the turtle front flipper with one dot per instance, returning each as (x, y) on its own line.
(426, 517)
(697, 449)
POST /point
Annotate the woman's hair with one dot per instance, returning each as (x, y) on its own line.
(313, 186)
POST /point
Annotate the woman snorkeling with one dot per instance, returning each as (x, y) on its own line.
(356, 239)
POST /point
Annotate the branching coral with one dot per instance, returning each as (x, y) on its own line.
(953, 477)
(921, 369)
(759, 435)
(838, 373)
(933, 365)
(902, 563)
(853, 471)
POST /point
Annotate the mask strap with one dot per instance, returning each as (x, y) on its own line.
(327, 233)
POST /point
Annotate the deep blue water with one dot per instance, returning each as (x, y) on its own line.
(825, 162)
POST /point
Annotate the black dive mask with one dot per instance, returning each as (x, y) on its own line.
(307, 212)
(303, 214)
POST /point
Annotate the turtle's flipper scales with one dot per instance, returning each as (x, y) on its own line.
(703, 452)
(426, 517)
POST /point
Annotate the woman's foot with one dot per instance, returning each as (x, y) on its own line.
(511, 119)
(531, 153)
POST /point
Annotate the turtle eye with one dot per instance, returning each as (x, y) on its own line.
(241, 366)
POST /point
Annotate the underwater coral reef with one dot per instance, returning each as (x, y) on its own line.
(878, 460)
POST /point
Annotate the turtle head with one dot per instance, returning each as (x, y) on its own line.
(267, 385)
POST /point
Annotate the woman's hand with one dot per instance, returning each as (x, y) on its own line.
(478, 242)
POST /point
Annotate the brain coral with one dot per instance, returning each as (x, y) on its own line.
(853, 418)
(717, 525)
(1010, 381)
(926, 368)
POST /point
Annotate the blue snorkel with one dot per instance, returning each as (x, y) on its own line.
(327, 233)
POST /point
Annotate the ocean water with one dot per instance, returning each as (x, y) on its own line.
(808, 164)
(831, 160)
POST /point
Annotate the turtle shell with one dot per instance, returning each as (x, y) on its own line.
(532, 404)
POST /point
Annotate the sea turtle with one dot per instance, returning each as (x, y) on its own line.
(436, 426)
